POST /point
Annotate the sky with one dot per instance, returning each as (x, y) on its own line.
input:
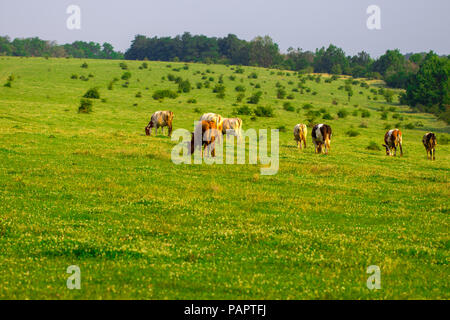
(408, 25)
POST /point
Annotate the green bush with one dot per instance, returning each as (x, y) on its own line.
(126, 75)
(85, 106)
(165, 93)
(244, 110)
(352, 133)
(281, 93)
(327, 116)
(191, 100)
(365, 114)
(84, 65)
(288, 107)
(92, 94)
(240, 88)
(253, 75)
(373, 146)
(261, 111)
(342, 113)
(184, 86)
(254, 99)
(123, 65)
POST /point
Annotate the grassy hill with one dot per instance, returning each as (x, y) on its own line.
(92, 190)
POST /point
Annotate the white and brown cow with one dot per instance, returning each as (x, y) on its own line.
(321, 137)
(217, 118)
(392, 140)
(233, 127)
(204, 137)
(160, 119)
(300, 132)
(429, 142)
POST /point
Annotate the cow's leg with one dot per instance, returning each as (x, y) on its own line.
(434, 153)
(304, 142)
(170, 130)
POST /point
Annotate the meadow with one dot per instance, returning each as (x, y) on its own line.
(93, 190)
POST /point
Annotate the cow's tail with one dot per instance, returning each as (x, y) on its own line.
(400, 142)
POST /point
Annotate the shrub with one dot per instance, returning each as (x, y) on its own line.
(363, 125)
(261, 111)
(145, 65)
(384, 115)
(365, 114)
(244, 110)
(219, 88)
(126, 75)
(192, 100)
(7, 84)
(84, 65)
(281, 93)
(342, 113)
(373, 146)
(281, 128)
(352, 133)
(327, 116)
(239, 70)
(184, 86)
(123, 66)
(166, 93)
(139, 95)
(307, 106)
(239, 97)
(240, 88)
(254, 99)
(253, 75)
(288, 107)
(290, 97)
(74, 76)
(199, 85)
(410, 126)
(92, 94)
(334, 102)
(85, 106)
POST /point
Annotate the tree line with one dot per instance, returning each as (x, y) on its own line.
(35, 47)
(423, 75)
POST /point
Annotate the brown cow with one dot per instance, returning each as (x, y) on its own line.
(392, 140)
(429, 142)
(160, 119)
(300, 132)
(207, 135)
(321, 137)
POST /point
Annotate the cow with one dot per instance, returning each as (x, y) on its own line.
(429, 142)
(160, 119)
(321, 137)
(392, 140)
(217, 118)
(207, 135)
(300, 132)
(232, 126)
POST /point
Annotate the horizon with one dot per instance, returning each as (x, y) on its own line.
(341, 24)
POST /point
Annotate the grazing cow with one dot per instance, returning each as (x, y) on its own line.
(321, 137)
(217, 118)
(160, 119)
(232, 126)
(392, 140)
(429, 141)
(300, 132)
(207, 135)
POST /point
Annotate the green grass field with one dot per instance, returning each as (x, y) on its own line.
(92, 190)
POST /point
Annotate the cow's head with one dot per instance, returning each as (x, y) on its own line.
(433, 141)
(388, 153)
(148, 128)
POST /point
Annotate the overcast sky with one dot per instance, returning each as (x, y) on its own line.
(409, 25)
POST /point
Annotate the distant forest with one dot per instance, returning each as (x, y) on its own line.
(423, 75)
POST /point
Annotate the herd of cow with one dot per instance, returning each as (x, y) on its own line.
(321, 133)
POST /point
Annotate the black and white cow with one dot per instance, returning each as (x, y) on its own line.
(429, 142)
(321, 137)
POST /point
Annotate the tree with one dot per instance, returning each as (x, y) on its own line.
(264, 52)
(428, 89)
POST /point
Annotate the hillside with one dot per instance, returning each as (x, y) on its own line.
(92, 190)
